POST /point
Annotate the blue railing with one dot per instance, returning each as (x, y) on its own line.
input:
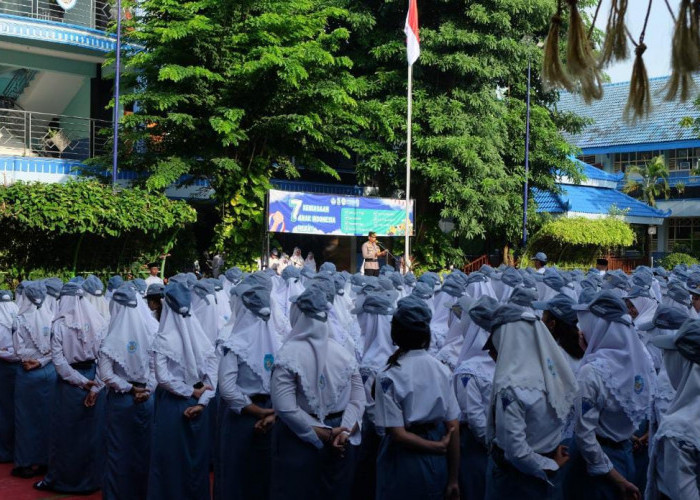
(95, 14)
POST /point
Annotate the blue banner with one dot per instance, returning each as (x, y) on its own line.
(306, 213)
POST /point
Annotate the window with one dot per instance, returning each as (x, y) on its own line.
(683, 159)
(622, 160)
(683, 234)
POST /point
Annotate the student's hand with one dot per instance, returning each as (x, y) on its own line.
(90, 399)
(140, 394)
(30, 365)
(89, 385)
(561, 455)
(441, 446)
(340, 443)
(263, 425)
(197, 393)
(452, 491)
(193, 411)
(257, 411)
(628, 491)
(582, 341)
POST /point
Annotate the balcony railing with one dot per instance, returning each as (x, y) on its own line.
(25, 133)
(94, 14)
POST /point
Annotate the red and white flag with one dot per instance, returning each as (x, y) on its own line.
(411, 30)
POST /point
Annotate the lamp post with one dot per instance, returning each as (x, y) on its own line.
(115, 115)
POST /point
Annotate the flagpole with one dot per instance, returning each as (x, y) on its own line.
(406, 254)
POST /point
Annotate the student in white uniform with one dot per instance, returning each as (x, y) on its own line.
(616, 383)
(35, 384)
(127, 367)
(459, 324)
(9, 368)
(76, 455)
(674, 468)
(532, 396)
(540, 262)
(53, 293)
(319, 399)
(417, 408)
(94, 293)
(473, 378)
(246, 417)
(186, 372)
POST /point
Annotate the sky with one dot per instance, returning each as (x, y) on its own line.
(657, 39)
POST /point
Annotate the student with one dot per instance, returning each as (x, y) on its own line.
(126, 366)
(416, 407)
(318, 396)
(154, 299)
(532, 396)
(35, 384)
(94, 293)
(246, 416)
(9, 368)
(153, 275)
(76, 454)
(674, 468)
(616, 381)
(473, 379)
(186, 372)
(449, 352)
(540, 262)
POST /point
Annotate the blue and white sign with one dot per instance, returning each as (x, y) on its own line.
(306, 213)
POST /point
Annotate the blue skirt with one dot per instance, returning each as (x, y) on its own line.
(406, 474)
(129, 427)
(509, 482)
(180, 450)
(365, 484)
(35, 392)
(8, 372)
(76, 455)
(580, 485)
(302, 471)
(242, 469)
(472, 466)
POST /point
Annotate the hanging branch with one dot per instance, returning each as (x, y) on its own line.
(580, 59)
(685, 52)
(615, 45)
(639, 99)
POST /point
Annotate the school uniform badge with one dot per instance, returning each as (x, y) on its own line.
(132, 346)
(268, 361)
(638, 384)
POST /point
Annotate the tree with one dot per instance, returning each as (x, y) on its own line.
(648, 181)
(469, 114)
(234, 92)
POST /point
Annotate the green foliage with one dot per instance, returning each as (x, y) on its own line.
(673, 259)
(437, 250)
(238, 92)
(580, 240)
(56, 227)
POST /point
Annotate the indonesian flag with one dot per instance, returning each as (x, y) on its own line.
(411, 30)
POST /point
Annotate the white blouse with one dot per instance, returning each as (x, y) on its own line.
(237, 382)
(66, 353)
(114, 376)
(171, 377)
(474, 398)
(7, 348)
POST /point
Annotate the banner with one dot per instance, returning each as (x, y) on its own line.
(306, 213)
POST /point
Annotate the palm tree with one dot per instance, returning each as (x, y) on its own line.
(649, 181)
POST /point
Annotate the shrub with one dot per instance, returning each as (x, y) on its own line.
(673, 259)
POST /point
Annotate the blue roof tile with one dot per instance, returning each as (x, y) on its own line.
(609, 128)
(595, 173)
(592, 200)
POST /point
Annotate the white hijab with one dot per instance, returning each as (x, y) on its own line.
(252, 341)
(681, 419)
(646, 307)
(472, 359)
(377, 345)
(616, 352)
(128, 341)
(99, 303)
(206, 312)
(324, 367)
(454, 340)
(182, 340)
(8, 313)
(80, 316)
(37, 324)
(478, 289)
(530, 358)
(443, 301)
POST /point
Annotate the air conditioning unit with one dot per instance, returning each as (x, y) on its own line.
(684, 165)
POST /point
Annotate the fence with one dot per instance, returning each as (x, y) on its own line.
(476, 264)
(627, 264)
(94, 14)
(26, 133)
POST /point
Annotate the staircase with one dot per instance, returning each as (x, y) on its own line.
(16, 87)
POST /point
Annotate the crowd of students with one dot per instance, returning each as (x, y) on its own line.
(504, 383)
